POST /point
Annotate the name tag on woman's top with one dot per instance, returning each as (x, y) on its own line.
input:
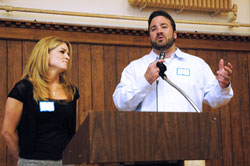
(47, 106)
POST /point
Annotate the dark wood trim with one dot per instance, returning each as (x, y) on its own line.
(116, 39)
(75, 37)
(112, 30)
(30, 26)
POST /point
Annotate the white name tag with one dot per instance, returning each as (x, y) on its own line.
(47, 106)
(183, 71)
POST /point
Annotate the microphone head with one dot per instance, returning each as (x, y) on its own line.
(161, 66)
(162, 55)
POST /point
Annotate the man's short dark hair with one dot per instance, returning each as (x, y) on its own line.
(161, 13)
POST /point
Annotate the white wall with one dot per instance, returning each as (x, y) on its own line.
(122, 7)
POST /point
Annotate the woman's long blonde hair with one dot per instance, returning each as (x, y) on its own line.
(37, 68)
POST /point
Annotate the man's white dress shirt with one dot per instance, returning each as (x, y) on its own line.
(190, 73)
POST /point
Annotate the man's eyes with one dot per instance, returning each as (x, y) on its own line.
(162, 26)
(153, 29)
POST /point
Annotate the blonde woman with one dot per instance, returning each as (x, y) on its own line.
(40, 111)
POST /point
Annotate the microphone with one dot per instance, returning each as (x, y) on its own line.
(161, 66)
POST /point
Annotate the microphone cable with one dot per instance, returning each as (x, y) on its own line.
(157, 102)
(161, 56)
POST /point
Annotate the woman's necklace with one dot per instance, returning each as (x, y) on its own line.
(53, 92)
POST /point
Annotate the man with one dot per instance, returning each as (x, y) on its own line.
(141, 89)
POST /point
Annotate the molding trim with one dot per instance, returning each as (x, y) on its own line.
(114, 30)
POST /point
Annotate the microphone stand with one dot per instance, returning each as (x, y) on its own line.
(163, 68)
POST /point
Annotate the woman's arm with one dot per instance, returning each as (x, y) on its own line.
(13, 112)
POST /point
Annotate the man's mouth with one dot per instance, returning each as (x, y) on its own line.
(160, 37)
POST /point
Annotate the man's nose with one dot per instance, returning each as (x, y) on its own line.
(159, 30)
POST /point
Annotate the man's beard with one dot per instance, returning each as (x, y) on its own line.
(162, 47)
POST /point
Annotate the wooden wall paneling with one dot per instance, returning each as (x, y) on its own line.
(122, 60)
(110, 85)
(226, 124)
(134, 53)
(245, 123)
(213, 62)
(243, 71)
(207, 43)
(190, 51)
(202, 54)
(14, 71)
(85, 84)
(73, 72)
(27, 47)
(3, 95)
(246, 136)
(211, 59)
(237, 150)
(73, 75)
(145, 51)
(14, 62)
(110, 77)
(85, 81)
(97, 77)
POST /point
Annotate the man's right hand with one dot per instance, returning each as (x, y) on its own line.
(152, 72)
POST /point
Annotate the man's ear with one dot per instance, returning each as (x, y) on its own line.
(175, 35)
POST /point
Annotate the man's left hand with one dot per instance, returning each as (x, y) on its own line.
(224, 74)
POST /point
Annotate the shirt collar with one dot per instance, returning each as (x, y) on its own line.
(178, 53)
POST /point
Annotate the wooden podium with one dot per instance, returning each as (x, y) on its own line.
(114, 137)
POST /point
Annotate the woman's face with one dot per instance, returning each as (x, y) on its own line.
(59, 58)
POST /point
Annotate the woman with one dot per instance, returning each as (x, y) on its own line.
(40, 111)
